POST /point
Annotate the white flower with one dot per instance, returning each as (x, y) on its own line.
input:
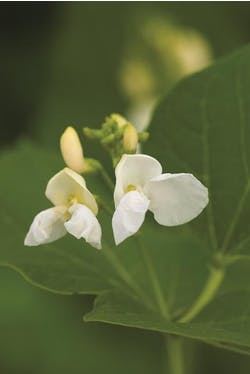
(75, 212)
(174, 199)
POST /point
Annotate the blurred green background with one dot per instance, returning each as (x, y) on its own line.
(74, 63)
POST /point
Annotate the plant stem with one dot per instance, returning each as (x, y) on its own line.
(207, 294)
(160, 299)
(174, 354)
(104, 206)
(107, 179)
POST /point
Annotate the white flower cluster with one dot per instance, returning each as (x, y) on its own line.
(174, 199)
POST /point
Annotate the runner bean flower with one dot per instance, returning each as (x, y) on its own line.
(174, 199)
(74, 212)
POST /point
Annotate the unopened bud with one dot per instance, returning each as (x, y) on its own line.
(143, 136)
(72, 151)
(120, 120)
(130, 139)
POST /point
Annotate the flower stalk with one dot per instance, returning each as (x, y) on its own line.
(174, 346)
(207, 294)
(159, 296)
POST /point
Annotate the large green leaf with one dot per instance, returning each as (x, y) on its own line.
(203, 127)
(152, 279)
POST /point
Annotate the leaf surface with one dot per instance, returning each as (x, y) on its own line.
(203, 127)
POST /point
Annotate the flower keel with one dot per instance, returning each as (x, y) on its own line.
(129, 215)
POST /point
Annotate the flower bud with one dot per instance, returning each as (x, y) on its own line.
(72, 151)
(130, 139)
(120, 120)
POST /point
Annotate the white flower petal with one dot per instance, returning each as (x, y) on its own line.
(47, 226)
(129, 215)
(66, 185)
(176, 198)
(84, 224)
(134, 170)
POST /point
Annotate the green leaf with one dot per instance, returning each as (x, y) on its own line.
(203, 127)
(226, 319)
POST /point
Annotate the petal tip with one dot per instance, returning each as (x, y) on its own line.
(27, 242)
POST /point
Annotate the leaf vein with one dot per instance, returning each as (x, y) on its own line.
(242, 128)
(206, 171)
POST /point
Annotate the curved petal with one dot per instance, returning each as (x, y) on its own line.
(84, 224)
(47, 226)
(129, 215)
(68, 185)
(134, 170)
(176, 198)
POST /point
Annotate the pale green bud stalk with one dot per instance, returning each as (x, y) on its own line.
(92, 133)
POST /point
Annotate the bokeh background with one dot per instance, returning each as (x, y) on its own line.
(75, 63)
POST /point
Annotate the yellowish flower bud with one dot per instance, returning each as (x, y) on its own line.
(72, 151)
(130, 139)
(121, 121)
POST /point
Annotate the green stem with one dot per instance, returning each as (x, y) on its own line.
(174, 354)
(107, 179)
(104, 206)
(231, 259)
(160, 299)
(207, 294)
